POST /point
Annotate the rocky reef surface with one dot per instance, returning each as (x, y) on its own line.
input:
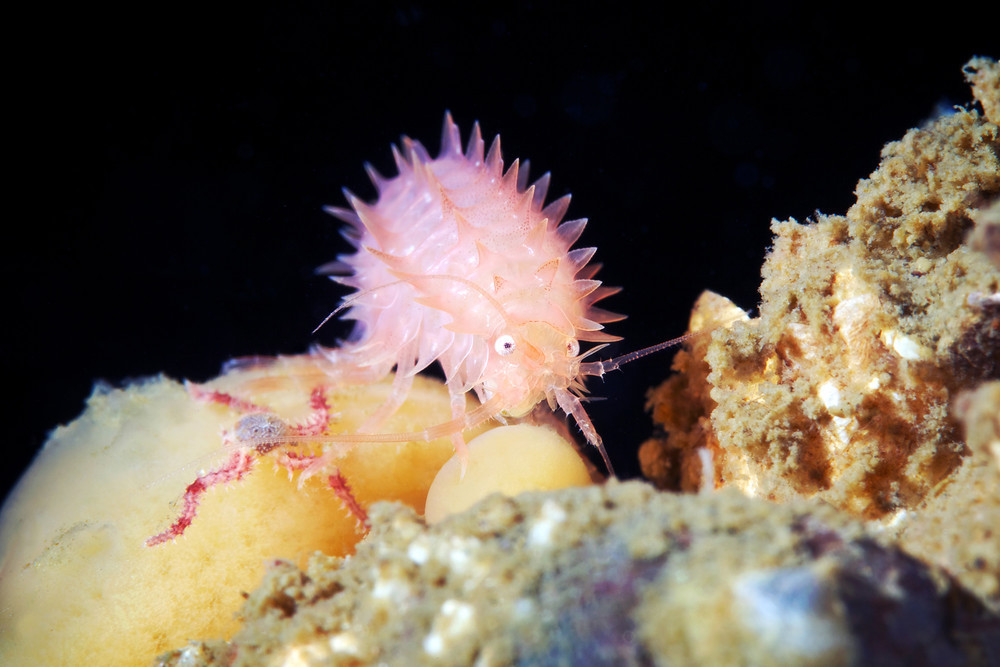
(617, 575)
(869, 379)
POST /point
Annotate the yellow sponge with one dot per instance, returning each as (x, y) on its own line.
(79, 586)
(508, 460)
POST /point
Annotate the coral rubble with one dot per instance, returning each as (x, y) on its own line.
(872, 325)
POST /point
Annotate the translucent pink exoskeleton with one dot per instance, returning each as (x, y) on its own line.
(461, 263)
(464, 264)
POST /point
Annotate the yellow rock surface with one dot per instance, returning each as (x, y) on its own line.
(77, 583)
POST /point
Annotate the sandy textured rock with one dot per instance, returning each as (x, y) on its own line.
(984, 75)
(871, 326)
(617, 575)
(958, 526)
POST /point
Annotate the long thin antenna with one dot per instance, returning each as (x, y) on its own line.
(599, 368)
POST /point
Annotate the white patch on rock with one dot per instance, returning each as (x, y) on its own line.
(551, 515)
(455, 619)
(794, 613)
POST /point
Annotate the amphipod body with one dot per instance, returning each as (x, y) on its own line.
(456, 262)
(460, 263)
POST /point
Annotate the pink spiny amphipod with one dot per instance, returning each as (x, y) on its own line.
(460, 263)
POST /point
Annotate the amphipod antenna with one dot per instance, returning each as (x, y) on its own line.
(599, 368)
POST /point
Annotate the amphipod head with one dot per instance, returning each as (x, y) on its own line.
(527, 364)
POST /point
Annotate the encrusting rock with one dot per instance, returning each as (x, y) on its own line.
(620, 574)
(872, 326)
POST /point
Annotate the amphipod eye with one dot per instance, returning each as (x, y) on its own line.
(572, 347)
(505, 345)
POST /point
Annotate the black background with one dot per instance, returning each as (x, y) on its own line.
(170, 164)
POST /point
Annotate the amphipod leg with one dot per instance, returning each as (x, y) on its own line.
(457, 397)
(401, 384)
(571, 405)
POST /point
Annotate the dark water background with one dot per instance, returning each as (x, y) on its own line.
(170, 164)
